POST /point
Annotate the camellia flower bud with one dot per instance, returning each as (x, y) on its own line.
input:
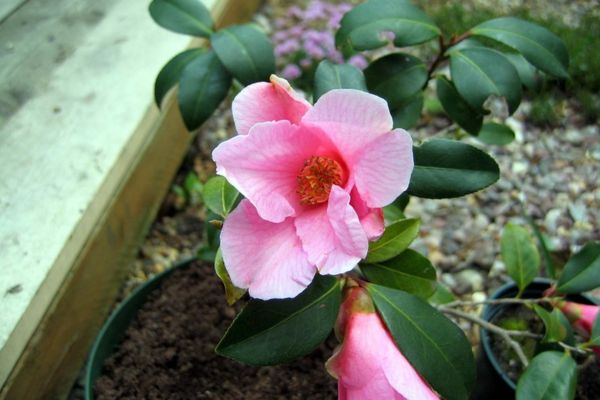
(582, 317)
(368, 365)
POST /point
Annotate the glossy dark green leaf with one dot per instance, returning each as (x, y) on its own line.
(246, 52)
(447, 168)
(551, 375)
(479, 73)
(408, 271)
(203, 85)
(183, 16)
(278, 331)
(538, 45)
(595, 336)
(555, 330)
(582, 271)
(498, 134)
(457, 108)
(330, 76)
(362, 28)
(396, 77)
(520, 255)
(394, 240)
(434, 345)
(527, 72)
(219, 195)
(406, 114)
(169, 75)
(232, 293)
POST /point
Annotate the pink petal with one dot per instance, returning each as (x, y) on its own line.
(332, 235)
(267, 101)
(351, 118)
(371, 219)
(382, 169)
(264, 257)
(264, 166)
(403, 377)
(370, 364)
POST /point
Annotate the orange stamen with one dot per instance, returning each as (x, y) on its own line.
(316, 178)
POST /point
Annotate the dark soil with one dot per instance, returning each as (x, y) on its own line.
(520, 317)
(168, 352)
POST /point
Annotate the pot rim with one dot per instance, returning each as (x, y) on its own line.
(110, 334)
(490, 310)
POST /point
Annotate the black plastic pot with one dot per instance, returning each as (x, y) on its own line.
(493, 383)
(113, 331)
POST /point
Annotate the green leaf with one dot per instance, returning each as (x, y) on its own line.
(550, 268)
(551, 375)
(278, 331)
(457, 108)
(595, 336)
(479, 73)
(527, 72)
(408, 271)
(555, 330)
(433, 344)
(498, 134)
(441, 295)
(330, 76)
(396, 77)
(203, 85)
(232, 293)
(582, 271)
(447, 168)
(394, 240)
(520, 255)
(363, 26)
(538, 45)
(193, 187)
(219, 195)
(406, 114)
(392, 213)
(169, 75)
(246, 52)
(183, 16)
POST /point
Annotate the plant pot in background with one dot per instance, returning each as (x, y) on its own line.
(493, 381)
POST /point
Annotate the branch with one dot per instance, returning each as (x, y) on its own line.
(504, 333)
(462, 303)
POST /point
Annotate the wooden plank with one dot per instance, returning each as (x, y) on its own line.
(66, 141)
(55, 354)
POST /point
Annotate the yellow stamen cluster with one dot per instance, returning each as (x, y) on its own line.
(316, 178)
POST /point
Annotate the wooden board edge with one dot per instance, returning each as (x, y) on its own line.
(54, 356)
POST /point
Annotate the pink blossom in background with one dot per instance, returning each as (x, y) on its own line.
(291, 71)
(315, 179)
(369, 365)
(359, 61)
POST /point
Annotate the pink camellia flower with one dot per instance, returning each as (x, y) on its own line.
(315, 179)
(368, 365)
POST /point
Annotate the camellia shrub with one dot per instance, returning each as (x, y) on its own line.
(310, 195)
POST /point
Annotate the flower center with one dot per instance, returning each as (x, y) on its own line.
(316, 178)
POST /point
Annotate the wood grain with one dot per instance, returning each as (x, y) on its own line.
(55, 354)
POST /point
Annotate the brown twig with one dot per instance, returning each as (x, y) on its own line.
(504, 333)
(465, 303)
